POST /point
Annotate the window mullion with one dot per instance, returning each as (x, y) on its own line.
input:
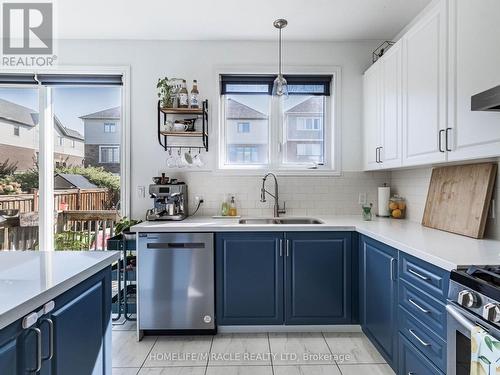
(46, 169)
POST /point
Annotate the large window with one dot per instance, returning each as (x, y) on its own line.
(53, 126)
(261, 131)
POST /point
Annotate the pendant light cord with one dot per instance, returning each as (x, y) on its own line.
(279, 54)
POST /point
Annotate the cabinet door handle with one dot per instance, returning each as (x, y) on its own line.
(412, 332)
(440, 138)
(376, 154)
(393, 260)
(447, 139)
(380, 154)
(415, 273)
(51, 338)
(38, 335)
(287, 247)
(281, 247)
(418, 306)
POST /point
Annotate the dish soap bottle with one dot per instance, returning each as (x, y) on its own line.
(232, 207)
(225, 207)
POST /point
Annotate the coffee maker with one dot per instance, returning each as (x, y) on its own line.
(170, 201)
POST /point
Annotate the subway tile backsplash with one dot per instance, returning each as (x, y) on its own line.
(304, 195)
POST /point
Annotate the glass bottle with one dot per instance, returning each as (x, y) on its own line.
(183, 96)
(225, 207)
(232, 207)
(193, 98)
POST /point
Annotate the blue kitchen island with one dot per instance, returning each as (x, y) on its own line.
(55, 312)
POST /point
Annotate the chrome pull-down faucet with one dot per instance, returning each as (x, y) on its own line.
(263, 191)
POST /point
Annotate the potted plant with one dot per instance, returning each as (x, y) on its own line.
(165, 92)
(123, 227)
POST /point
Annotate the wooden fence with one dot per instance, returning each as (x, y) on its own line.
(64, 200)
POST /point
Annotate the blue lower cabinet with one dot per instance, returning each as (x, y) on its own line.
(79, 331)
(411, 361)
(249, 278)
(318, 278)
(378, 296)
(80, 327)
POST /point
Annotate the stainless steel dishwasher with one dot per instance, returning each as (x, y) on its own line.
(175, 280)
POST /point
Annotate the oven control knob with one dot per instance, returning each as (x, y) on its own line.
(467, 299)
(491, 312)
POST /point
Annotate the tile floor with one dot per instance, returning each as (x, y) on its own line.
(245, 354)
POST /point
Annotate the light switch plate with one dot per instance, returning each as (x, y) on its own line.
(141, 191)
(362, 198)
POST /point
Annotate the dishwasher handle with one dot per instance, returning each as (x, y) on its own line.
(175, 245)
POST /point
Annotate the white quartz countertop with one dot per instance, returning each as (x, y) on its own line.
(29, 279)
(445, 250)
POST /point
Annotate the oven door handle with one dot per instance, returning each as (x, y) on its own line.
(455, 313)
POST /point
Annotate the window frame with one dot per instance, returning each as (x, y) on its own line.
(111, 126)
(45, 153)
(110, 147)
(332, 136)
(17, 131)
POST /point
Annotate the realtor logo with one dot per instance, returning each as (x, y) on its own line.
(27, 29)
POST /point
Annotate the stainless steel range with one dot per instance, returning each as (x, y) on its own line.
(473, 300)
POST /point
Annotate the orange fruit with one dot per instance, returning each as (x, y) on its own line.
(402, 205)
(393, 206)
(396, 213)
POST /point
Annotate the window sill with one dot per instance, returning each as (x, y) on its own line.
(277, 172)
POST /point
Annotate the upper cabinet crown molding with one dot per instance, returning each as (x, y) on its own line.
(417, 107)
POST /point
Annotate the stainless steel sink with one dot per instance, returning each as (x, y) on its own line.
(279, 220)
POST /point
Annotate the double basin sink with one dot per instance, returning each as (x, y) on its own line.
(283, 221)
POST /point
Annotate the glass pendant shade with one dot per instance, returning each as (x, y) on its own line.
(280, 87)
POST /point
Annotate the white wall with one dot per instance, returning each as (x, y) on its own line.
(150, 60)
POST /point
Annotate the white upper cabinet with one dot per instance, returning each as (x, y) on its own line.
(424, 89)
(391, 126)
(382, 112)
(475, 66)
(371, 116)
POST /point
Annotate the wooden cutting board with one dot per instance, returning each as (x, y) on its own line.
(459, 198)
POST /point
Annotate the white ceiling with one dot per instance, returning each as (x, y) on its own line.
(322, 20)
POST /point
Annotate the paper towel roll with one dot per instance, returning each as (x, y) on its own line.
(384, 193)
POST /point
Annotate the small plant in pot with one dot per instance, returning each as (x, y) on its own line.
(165, 92)
(123, 227)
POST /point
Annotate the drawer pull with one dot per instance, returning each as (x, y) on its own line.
(418, 306)
(418, 338)
(415, 273)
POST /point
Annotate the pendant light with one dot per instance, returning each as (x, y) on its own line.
(280, 87)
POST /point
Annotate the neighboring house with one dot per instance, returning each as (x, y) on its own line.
(304, 131)
(19, 138)
(64, 181)
(102, 139)
(247, 134)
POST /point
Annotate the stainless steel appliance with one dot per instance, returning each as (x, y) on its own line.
(170, 201)
(488, 100)
(175, 278)
(473, 300)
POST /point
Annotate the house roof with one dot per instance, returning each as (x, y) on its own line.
(312, 105)
(26, 116)
(106, 114)
(77, 181)
(237, 110)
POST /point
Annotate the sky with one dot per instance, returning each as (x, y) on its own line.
(69, 102)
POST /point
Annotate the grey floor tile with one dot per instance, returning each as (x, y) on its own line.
(240, 349)
(299, 348)
(366, 369)
(307, 370)
(186, 351)
(352, 348)
(173, 371)
(240, 370)
(127, 351)
(125, 371)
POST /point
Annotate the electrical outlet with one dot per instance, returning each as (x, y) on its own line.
(198, 198)
(141, 191)
(362, 198)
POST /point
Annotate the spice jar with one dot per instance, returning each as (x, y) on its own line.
(397, 207)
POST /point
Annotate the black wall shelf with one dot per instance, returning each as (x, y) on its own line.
(165, 137)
